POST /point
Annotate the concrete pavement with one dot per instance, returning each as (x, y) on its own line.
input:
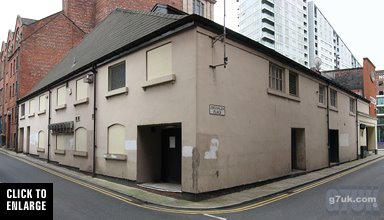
(223, 201)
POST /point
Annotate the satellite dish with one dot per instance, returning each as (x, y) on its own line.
(318, 63)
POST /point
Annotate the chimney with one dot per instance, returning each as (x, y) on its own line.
(81, 12)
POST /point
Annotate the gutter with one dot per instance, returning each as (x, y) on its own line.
(49, 122)
(329, 147)
(94, 71)
(357, 132)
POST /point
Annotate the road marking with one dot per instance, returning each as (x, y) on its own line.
(201, 211)
(213, 216)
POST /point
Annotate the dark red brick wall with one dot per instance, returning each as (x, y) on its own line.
(105, 7)
(44, 49)
(81, 12)
(370, 89)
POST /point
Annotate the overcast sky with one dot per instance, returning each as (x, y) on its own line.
(358, 23)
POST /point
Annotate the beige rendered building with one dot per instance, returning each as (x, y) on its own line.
(141, 99)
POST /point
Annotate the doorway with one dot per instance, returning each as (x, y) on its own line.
(28, 139)
(333, 146)
(298, 157)
(20, 147)
(159, 154)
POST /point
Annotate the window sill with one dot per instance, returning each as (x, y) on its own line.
(120, 157)
(61, 152)
(61, 107)
(22, 117)
(41, 150)
(116, 92)
(31, 115)
(321, 105)
(283, 95)
(333, 109)
(80, 154)
(161, 80)
(81, 101)
(352, 114)
(41, 112)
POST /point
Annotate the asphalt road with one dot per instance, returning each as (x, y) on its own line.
(73, 201)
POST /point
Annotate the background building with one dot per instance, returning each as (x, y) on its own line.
(296, 29)
(326, 44)
(277, 24)
(380, 108)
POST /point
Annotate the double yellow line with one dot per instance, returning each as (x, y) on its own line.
(196, 212)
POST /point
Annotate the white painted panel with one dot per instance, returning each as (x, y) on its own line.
(61, 96)
(116, 139)
(42, 103)
(159, 62)
(41, 139)
(81, 139)
(81, 89)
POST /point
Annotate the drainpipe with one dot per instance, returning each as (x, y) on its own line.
(329, 148)
(49, 122)
(17, 110)
(94, 71)
(357, 132)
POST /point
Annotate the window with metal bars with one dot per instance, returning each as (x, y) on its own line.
(321, 94)
(276, 77)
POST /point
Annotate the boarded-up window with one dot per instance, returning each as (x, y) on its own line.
(61, 96)
(61, 142)
(81, 139)
(31, 107)
(41, 140)
(116, 76)
(81, 89)
(159, 62)
(116, 136)
(42, 104)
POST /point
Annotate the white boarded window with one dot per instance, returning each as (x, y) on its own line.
(31, 107)
(41, 140)
(61, 142)
(159, 62)
(42, 103)
(81, 139)
(81, 89)
(61, 96)
(116, 137)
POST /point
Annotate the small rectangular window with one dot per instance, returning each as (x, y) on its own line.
(42, 104)
(81, 89)
(116, 76)
(321, 94)
(61, 96)
(276, 77)
(22, 110)
(352, 105)
(333, 98)
(293, 83)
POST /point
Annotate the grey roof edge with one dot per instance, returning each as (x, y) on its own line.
(209, 25)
